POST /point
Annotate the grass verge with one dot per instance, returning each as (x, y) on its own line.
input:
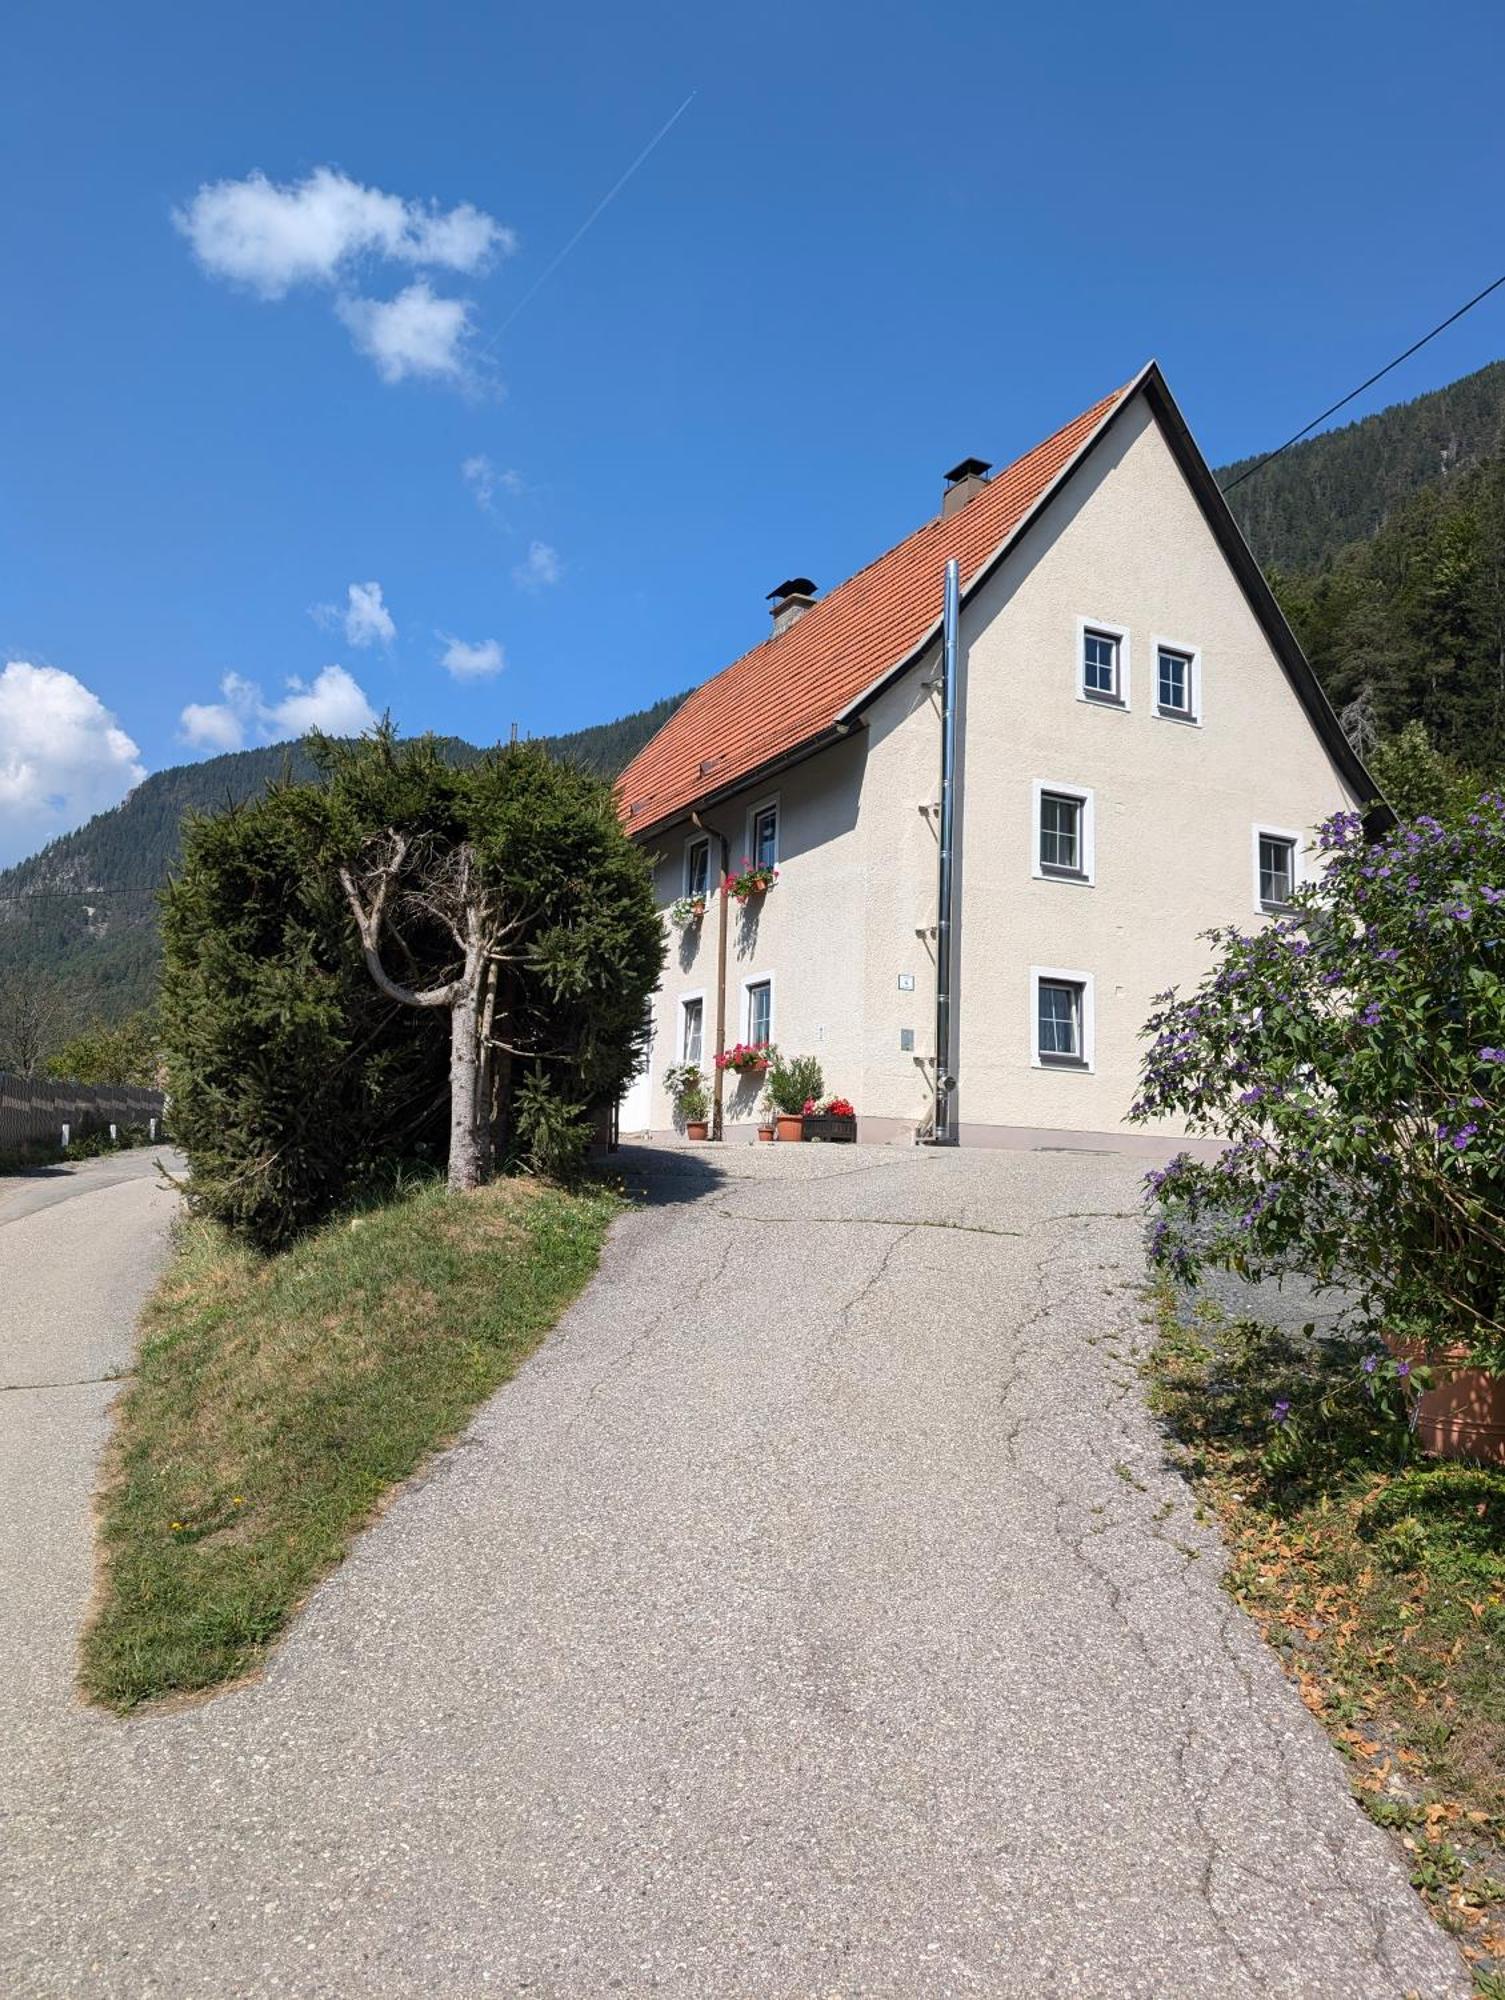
(1378, 1576)
(278, 1399)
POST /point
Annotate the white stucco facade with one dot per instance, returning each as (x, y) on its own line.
(1171, 810)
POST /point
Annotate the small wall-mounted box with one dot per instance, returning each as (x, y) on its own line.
(906, 1041)
(906, 982)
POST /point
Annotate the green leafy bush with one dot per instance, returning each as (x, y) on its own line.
(1351, 1054)
(792, 1082)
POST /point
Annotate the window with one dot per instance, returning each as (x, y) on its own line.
(759, 1011)
(1104, 664)
(1276, 865)
(1061, 1007)
(697, 867)
(763, 843)
(1173, 677)
(1060, 834)
(691, 1028)
(1062, 831)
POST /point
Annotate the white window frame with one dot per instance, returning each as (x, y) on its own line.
(1085, 797)
(1109, 630)
(1059, 976)
(684, 1002)
(692, 841)
(1262, 830)
(745, 1012)
(1193, 658)
(773, 804)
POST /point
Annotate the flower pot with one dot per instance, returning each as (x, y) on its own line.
(765, 1134)
(829, 1126)
(1463, 1414)
(791, 1126)
(697, 1128)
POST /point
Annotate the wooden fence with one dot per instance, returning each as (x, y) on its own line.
(35, 1112)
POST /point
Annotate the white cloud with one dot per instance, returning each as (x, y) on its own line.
(367, 619)
(63, 757)
(314, 231)
(211, 725)
(486, 480)
(417, 333)
(333, 701)
(539, 568)
(472, 663)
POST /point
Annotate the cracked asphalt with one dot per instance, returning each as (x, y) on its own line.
(813, 1616)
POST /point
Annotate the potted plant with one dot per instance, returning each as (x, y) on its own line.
(835, 1120)
(793, 1081)
(754, 878)
(746, 1058)
(686, 1086)
(685, 911)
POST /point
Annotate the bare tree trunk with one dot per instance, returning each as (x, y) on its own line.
(466, 1168)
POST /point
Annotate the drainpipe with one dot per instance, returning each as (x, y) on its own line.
(944, 1129)
(719, 1086)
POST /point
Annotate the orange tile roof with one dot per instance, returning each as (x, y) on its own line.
(794, 686)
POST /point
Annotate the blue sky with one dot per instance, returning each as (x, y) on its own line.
(880, 238)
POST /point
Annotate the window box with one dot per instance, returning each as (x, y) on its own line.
(685, 911)
(746, 1058)
(755, 878)
(830, 1126)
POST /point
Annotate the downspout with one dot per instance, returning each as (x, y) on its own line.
(944, 1129)
(719, 1086)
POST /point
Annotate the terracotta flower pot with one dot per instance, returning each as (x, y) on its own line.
(1463, 1414)
(791, 1126)
(765, 1134)
(697, 1128)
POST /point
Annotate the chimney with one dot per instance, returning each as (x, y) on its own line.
(962, 481)
(789, 600)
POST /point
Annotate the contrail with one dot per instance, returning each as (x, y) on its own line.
(604, 203)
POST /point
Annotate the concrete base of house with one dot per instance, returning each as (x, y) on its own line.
(1151, 1146)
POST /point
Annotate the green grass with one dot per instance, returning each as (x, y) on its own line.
(277, 1400)
(1378, 1575)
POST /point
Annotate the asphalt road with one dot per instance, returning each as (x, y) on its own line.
(814, 1616)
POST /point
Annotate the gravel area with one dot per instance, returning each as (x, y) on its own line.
(815, 1615)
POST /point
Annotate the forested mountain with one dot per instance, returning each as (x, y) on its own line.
(1385, 542)
(1341, 486)
(84, 909)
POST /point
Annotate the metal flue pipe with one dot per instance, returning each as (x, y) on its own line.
(944, 1127)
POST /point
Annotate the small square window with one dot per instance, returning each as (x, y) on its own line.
(1060, 834)
(760, 1011)
(1174, 682)
(698, 868)
(1059, 1021)
(692, 1029)
(765, 836)
(1277, 870)
(1101, 679)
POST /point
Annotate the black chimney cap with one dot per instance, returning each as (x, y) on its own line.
(969, 468)
(793, 586)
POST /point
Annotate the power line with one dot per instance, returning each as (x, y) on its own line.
(1414, 348)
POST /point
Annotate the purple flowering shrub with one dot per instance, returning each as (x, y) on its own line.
(1352, 1056)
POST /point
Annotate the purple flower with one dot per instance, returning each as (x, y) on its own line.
(1493, 896)
(1370, 1363)
(1281, 1411)
(1252, 1095)
(1462, 1136)
(1403, 1369)
(1461, 913)
(1492, 1055)
(1371, 1015)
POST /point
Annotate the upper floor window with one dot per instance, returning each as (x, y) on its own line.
(1103, 664)
(698, 867)
(764, 844)
(1177, 673)
(1063, 831)
(1060, 834)
(1275, 867)
(760, 1011)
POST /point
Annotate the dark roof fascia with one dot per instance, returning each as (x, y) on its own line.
(703, 802)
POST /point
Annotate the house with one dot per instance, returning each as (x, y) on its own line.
(969, 942)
